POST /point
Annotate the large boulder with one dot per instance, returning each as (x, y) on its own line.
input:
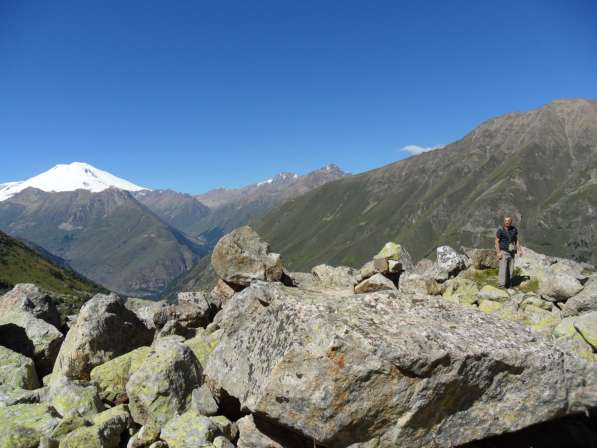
(242, 257)
(192, 310)
(394, 252)
(145, 309)
(105, 329)
(335, 276)
(404, 369)
(22, 425)
(260, 434)
(29, 298)
(28, 335)
(73, 397)
(17, 370)
(220, 293)
(586, 325)
(189, 430)
(461, 290)
(558, 285)
(162, 386)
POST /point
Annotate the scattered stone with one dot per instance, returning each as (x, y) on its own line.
(17, 370)
(395, 252)
(111, 377)
(145, 309)
(242, 257)
(148, 434)
(335, 277)
(189, 430)
(104, 330)
(162, 386)
(337, 368)
(24, 424)
(105, 432)
(378, 282)
(225, 426)
(203, 402)
(537, 302)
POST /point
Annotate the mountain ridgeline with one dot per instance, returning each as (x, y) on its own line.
(539, 166)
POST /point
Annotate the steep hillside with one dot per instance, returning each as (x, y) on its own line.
(20, 264)
(107, 236)
(540, 166)
(180, 210)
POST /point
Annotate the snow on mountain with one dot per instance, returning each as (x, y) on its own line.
(74, 176)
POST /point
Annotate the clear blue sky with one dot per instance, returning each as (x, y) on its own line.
(192, 95)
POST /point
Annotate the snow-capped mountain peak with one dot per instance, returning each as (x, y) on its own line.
(69, 177)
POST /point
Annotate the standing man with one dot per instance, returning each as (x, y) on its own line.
(507, 245)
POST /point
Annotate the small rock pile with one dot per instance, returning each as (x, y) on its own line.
(393, 354)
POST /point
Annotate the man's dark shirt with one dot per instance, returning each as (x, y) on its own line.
(503, 236)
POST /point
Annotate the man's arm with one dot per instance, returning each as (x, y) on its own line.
(519, 250)
(497, 247)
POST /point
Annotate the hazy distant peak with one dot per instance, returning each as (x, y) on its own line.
(69, 177)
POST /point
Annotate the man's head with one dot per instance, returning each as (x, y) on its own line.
(507, 221)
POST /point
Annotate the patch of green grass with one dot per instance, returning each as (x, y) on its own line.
(482, 277)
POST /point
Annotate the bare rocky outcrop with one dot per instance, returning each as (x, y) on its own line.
(401, 369)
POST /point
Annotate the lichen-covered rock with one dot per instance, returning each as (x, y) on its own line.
(489, 306)
(26, 297)
(111, 377)
(396, 252)
(105, 432)
(105, 329)
(583, 302)
(489, 292)
(409, 370)
(203, 344)
(148, 434)
(461, 290)
(242, 257)
(17, 370)
(22, 425)
(378, 282)
(10, 395)
(68, 397)
(203, 402)
(222, 442)
(420, 284)
(537, 301)
(449, 260)
(67, 425)
(225, 426)
(335, 277)
(586, 325)
(162, 386)
(540, 319)
(189, 430)
(24, 333)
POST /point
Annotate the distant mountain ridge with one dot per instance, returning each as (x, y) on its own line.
(540, 166)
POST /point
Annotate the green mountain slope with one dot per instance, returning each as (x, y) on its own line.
(20, 264)
(539, 166)
(108, 237)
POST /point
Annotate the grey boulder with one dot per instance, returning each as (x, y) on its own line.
(29, 298)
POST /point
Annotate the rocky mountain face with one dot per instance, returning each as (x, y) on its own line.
(539, 166)
(20, 264)
(108, 236)
(231, 208)
(393, 354)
